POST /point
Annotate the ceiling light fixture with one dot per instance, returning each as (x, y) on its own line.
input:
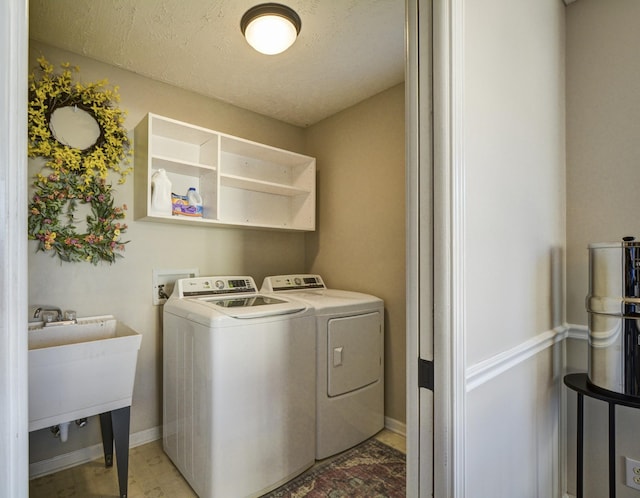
(270, 28)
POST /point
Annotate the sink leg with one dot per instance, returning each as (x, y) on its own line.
(121, 421)
(115, 426)
(107, 438)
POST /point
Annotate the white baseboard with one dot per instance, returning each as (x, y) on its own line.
(84, 455)
(395, 426)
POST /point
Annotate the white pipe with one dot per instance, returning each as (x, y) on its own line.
(64, 431)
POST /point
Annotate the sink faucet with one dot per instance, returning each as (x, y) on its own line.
(43, 309)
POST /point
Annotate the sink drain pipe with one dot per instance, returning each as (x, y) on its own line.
(62, 430)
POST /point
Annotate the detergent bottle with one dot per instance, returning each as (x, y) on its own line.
(161, 193)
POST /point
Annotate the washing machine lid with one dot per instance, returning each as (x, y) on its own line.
(254, 306)
(234, 297)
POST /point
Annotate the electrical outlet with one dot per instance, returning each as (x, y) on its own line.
(164, 280)
(632, 473)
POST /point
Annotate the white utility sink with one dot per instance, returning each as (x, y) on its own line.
(80, 369)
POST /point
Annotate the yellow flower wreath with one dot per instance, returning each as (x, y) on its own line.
(79, 175)
(54, 91)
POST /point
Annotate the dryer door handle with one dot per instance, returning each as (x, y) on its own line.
(337, 356)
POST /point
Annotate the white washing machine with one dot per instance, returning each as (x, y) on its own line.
(239, 386)
(350, 360)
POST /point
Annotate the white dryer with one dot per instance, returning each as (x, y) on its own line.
(239, 386)
(350, 360)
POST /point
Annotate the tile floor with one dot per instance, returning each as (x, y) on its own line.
(151, 475)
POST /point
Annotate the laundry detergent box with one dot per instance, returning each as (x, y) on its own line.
(180, 206)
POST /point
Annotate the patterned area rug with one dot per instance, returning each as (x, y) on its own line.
(370, 470)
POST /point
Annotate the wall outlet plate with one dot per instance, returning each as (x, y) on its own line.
(164, 280)
(632, 474)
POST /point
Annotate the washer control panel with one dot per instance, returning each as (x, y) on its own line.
(292, 282)
(215, 286)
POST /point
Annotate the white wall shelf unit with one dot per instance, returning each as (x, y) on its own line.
(242, 183)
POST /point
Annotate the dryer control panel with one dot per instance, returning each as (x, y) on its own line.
(292, 282)
(215, 286)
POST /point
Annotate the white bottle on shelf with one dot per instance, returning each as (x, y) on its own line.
(195, 202)
(161, 193)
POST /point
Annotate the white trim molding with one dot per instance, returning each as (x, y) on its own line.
(84, 455)
(485, 370)
(449, 249)
(14, 436)
(412, 150)
(578, 332)
(90, 453)
(395, 426)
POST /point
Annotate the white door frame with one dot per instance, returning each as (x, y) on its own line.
(435, 274)
(412, 154)
(419, 244)
(14, 435)
(449, 270)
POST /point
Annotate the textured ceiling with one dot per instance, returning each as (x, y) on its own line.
(347, 51)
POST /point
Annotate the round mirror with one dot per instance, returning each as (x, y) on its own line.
(74, 127)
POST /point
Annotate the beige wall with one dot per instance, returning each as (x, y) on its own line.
(360, 241)
(603, 125)
(603, 176)
(124, 289)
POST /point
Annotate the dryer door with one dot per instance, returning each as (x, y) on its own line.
(354, 352)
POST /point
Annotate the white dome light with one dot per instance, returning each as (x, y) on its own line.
(270, 28)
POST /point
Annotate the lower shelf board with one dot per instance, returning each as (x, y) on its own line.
(208, 222)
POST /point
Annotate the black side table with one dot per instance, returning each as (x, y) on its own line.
(579, 382)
